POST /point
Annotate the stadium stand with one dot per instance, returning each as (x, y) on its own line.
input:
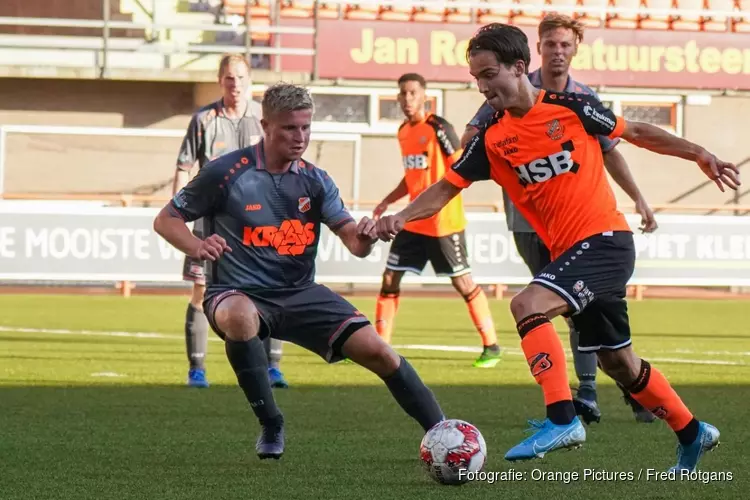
(681, 15)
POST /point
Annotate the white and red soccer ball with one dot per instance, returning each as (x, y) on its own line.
(450, 447)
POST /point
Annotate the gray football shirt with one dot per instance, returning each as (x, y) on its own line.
(516, 222)
(271, 221)
(211, 134)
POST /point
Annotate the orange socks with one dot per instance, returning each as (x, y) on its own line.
(546, 358)
(654, 392)
(385, 312)
(479, 309)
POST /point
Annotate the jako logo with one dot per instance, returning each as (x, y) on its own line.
(544, 169)
(291, 238)
(415, 162)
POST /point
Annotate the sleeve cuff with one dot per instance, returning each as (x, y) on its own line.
(339, 224)
(173, 210)
(619, 128)
(455, 156)
(455, 179)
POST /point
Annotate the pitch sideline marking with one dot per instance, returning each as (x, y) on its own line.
(413, 347)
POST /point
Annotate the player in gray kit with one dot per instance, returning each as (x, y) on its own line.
(231, 123)
(263, 206)
(559, 36)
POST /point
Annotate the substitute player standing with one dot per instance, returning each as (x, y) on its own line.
(559, 37)
(264, 206)
(429, 146)
(559, 184)
(231, 123)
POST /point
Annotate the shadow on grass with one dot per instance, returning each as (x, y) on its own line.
(157, 441)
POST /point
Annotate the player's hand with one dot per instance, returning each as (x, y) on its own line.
(648, 220)
(389, 226)
(366, 229)
(721, 172)
(379, 210)
(212, 248)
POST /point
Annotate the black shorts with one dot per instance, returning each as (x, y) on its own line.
(193, 269)
(532, 250)
(313, 317)
(447, 254)
(592, 277)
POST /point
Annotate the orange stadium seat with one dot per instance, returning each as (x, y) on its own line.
(458, 14)
(363, 12)
(304, 9)
(430, 13)
(565, 3)
(593, 19)
(689, 22)
(742, 25)
(529, 17)
(625, 20)
(718, 23)
(396, 12)
(494, 14)
(657, 21)
(258, 8)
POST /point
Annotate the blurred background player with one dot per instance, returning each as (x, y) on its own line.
(559, 37)
(231, 123)
(429, 146)
(263, 285)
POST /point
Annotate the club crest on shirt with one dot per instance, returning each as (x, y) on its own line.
(555, 131)
(304, 204)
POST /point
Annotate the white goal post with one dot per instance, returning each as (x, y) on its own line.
(354, 138)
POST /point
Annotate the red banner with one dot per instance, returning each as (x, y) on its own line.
(367, 50)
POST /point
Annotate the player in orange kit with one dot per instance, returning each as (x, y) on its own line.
(429, 146)
(555, 176)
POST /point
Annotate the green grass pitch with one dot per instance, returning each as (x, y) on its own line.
(86, 415)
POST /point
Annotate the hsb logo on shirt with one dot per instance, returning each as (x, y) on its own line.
(415, 162)
(544, 169)
(290, 238)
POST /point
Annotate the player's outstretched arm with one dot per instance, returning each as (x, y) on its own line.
(660, 141)
(427, 204)
(621, 174)
(398, 192)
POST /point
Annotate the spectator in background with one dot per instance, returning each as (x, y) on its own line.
(224, 126)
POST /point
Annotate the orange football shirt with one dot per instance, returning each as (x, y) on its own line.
(551, 165)
(428, 149)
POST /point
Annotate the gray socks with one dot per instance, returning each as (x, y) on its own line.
(585, 364)
(196, 337)
(273, 351)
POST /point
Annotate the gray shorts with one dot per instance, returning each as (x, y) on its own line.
(193, 269)
(314, 316)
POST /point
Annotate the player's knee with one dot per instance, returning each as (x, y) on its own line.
(237, 318)
(464, 285)
(199, 293)
(523, 304)
(622, 365)
(391, 283)
(385, 359)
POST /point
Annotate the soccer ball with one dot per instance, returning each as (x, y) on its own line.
(451, 446)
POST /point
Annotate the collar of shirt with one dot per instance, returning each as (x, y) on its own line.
(220, 110)
(535, 77)
(260, 159)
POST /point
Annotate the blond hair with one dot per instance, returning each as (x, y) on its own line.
(229, 59)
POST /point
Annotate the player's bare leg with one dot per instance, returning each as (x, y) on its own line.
(237, 318)
(387, 304)
(366, 348)
(196, 337)
(479, 310)
(649, 387)
(532, 309)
